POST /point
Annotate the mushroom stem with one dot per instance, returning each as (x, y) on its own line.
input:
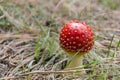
(75, 61)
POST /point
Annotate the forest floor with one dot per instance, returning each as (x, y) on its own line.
(29, 39)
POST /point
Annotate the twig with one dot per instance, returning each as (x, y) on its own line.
(20, 36)
(55, 72)
(17, 77)
(10, 77)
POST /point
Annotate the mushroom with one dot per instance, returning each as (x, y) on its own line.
(76, 38)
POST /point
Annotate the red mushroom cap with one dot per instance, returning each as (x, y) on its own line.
(76, 37)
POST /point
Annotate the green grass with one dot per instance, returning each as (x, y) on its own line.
(110, 3)
(4, 23)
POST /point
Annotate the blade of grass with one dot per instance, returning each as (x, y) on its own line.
(40, 46)
(37, 50)
(118, 45)
(109, 47)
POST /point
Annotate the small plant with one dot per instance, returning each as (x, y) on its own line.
(4, 22)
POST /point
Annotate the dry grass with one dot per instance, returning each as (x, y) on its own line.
(29, 45)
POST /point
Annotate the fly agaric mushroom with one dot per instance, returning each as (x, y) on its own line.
(76, 38)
